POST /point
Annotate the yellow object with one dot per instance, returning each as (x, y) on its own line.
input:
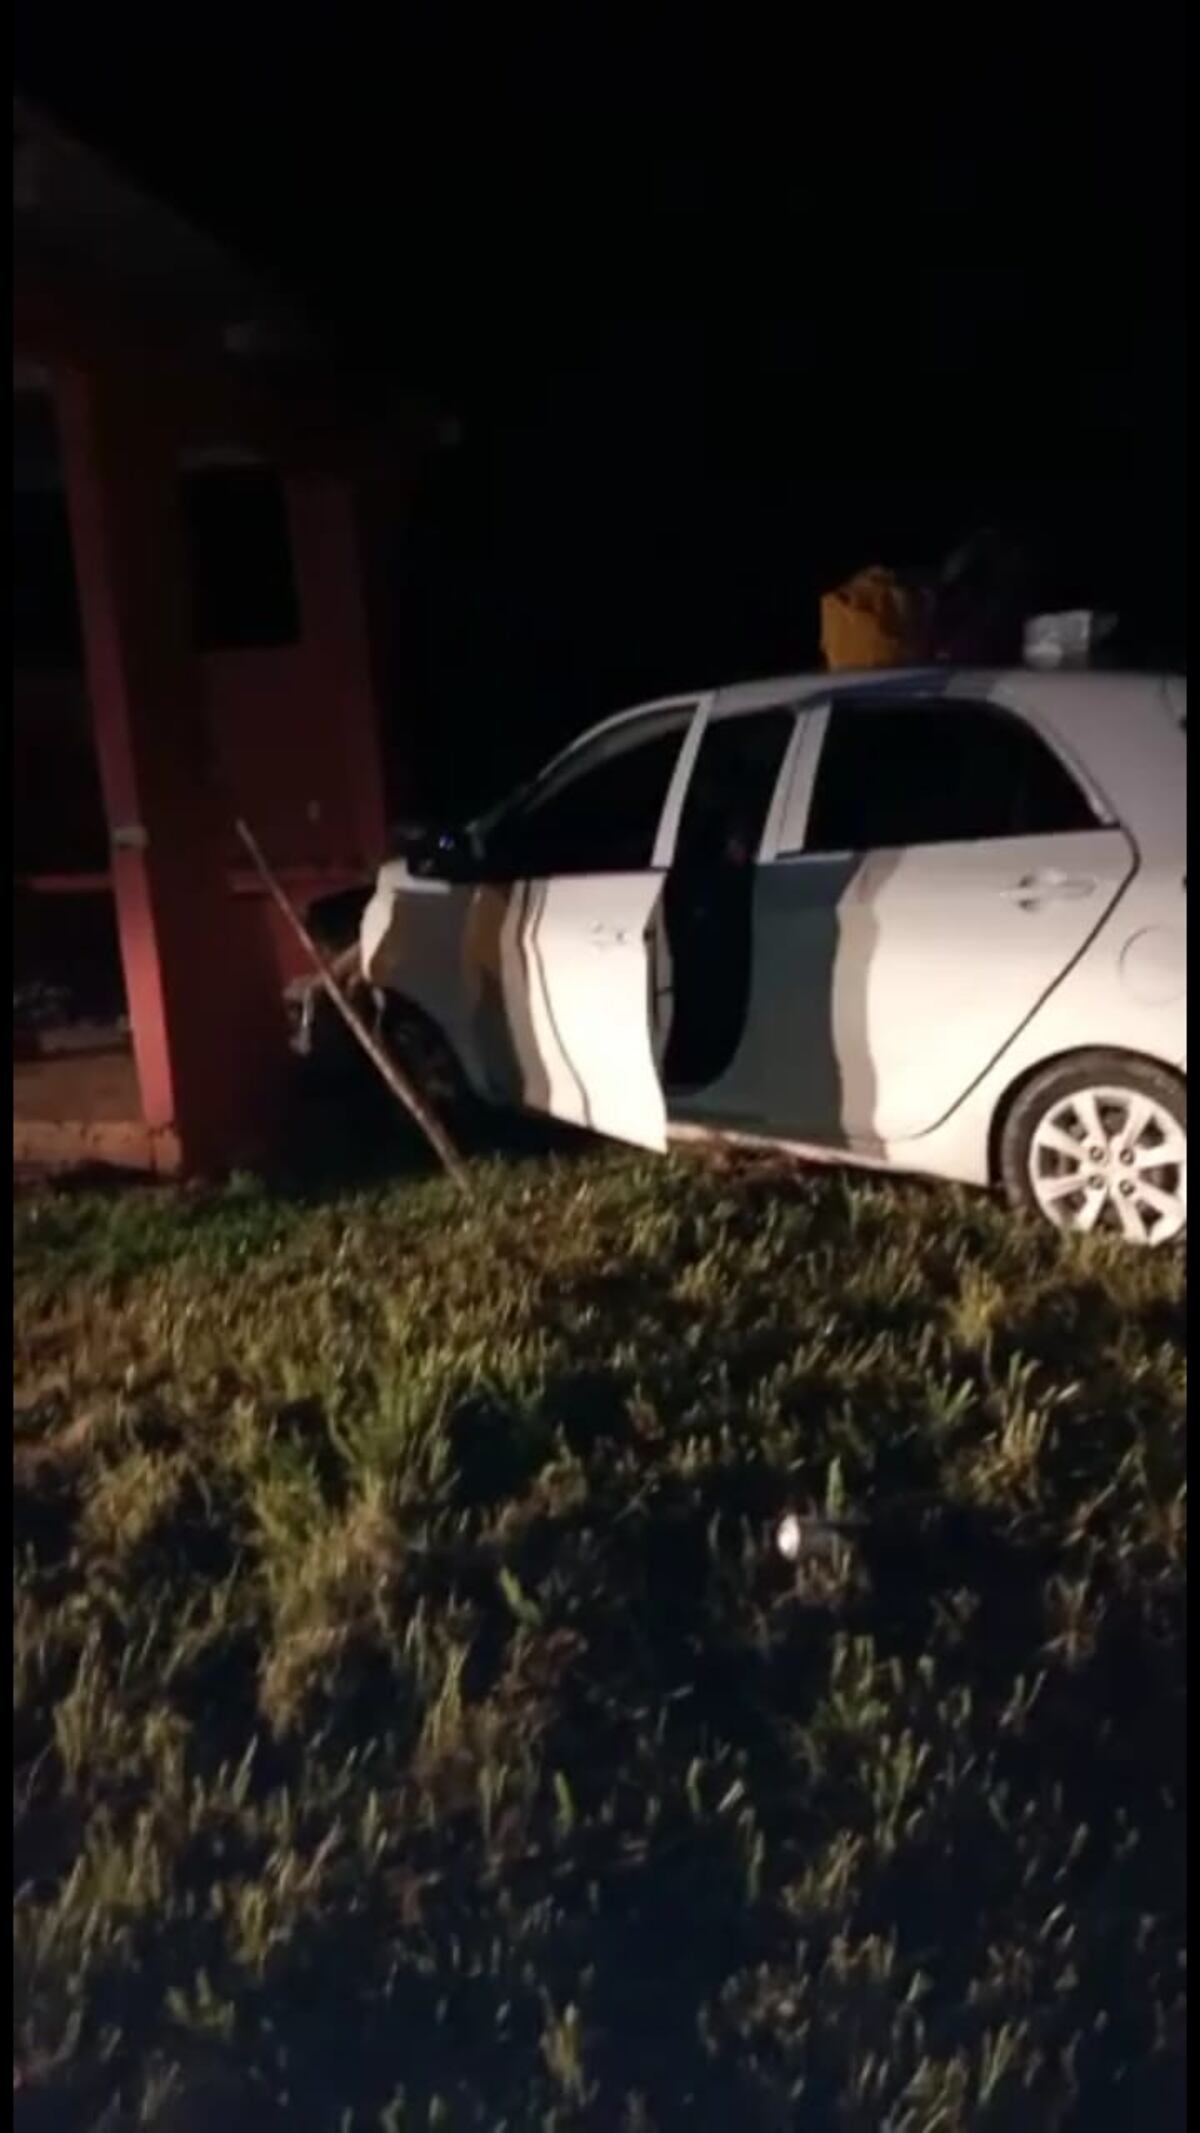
(873, 620)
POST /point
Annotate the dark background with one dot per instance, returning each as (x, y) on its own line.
(722, 315)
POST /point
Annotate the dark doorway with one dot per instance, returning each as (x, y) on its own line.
(709, 897)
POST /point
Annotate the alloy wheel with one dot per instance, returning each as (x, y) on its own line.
(1111, 1158)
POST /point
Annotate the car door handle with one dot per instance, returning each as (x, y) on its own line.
(1033, 889)
(607, 937)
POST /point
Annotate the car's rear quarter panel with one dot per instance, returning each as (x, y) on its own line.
(1129, 738)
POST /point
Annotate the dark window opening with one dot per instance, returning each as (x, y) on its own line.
(937, 772)
(46, 632)
(709, 904)
(239, 550)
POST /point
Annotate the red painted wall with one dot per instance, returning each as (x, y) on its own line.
(187, 740)
(273, 720)
(274, 724)
(294, 729)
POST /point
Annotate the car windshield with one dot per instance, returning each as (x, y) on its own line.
(503, 810)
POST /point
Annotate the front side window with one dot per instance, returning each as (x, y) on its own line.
(601, 818)
(936, 771)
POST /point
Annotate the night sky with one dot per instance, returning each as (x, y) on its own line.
(722, 318)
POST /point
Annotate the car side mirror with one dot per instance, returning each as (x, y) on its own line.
(444, 855)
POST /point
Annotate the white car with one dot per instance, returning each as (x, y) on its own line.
(935, 921)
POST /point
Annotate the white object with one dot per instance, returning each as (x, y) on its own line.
(1066, 640)
(988, 953)
(789, 1537)
(1108, 1148)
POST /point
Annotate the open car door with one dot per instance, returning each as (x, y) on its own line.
(565, 935)
(577, 995)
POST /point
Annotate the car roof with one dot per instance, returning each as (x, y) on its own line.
(1124, 733)
(958, 684)
(1073, 705)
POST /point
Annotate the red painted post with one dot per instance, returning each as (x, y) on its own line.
(206, 1017)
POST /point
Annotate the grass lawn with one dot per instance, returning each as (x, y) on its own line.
(416, 1726)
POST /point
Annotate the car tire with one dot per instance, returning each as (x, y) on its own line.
(1099, 1142)
(422, 1050)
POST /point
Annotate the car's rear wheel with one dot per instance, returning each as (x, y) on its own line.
(1099, 1142)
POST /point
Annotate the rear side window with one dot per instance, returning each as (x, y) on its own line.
(936, 771)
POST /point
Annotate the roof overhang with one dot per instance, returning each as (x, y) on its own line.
(108, 278)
